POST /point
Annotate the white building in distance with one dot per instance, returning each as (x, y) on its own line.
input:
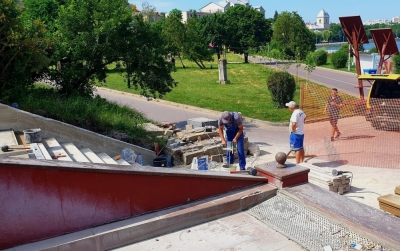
(322, 22)
(396, 19)
(376, 21)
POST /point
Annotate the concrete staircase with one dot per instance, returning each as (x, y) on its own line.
(50, 149)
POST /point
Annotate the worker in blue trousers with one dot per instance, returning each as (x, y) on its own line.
(232, 122)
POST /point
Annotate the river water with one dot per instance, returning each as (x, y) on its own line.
(366, 46)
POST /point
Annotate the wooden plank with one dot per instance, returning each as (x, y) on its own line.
(390, 199)
(389, 209)
(397, 190)
(75, 153)
(7, 137)
(92, 156)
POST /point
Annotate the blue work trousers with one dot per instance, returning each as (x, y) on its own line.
(230, 135)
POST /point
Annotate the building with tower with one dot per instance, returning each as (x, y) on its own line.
(322, 22)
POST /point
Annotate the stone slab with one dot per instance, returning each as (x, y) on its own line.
(397, 190)
(391, 200)
(283, 177)
(202, 122)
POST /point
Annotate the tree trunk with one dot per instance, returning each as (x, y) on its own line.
(198, 64)
(183, 66)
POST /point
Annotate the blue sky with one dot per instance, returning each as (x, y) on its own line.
(307, 9)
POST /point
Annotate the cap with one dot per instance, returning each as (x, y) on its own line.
(291, 104)
(226, 117)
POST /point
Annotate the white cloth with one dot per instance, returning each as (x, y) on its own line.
(298, 116)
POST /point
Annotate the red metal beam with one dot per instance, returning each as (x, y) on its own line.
(355, 34)
(39, 202)
(385, 44)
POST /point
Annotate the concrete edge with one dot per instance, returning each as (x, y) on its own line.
(194, 108)
(368, 222)
(129, 231)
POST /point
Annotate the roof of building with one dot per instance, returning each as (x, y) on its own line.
(323, 13)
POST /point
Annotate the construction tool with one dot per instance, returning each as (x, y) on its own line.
(250, 170)
(58, 156)
(6, 148)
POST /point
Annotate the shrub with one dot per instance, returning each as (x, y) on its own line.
(396, 60)
(275, 54)
(339, 59)
(321, 57)
(282, 86)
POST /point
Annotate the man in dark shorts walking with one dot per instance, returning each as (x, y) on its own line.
(334, 104)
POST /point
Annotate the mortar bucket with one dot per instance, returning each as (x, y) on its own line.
(32, 135)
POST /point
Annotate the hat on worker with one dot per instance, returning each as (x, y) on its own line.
(226, 117)
(291, 104)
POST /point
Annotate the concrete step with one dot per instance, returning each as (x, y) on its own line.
(123, 162)
(55, 149)
(75, 153)
(37, 151)
(107, 159)
(91, 156)
(45, 153)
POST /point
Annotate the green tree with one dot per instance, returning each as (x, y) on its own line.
(174, 36)
(276, 14)
(292, 36)
(177, 13)
(337, 33)
(149, 12)
(23, 50)
(145, 60)
(396, 60)
(282, 86)
(44, 10)
(215, 31)
(196, 48)
(89, 35)
(326, 34)
(310, 64)
(247, 28)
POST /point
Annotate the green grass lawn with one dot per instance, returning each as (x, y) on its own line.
(246, 93)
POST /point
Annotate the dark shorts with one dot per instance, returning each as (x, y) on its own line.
(296, 142)
(333, 120)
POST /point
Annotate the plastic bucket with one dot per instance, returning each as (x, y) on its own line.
(32, 136)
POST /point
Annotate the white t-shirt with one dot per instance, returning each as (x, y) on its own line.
(298, 116)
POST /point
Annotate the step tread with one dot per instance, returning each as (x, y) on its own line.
(54, 148)
(107, 159)
(397, 190)
(123, 162)
(92, 156)
(44, 151)
(391, 200)
(75, 153)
